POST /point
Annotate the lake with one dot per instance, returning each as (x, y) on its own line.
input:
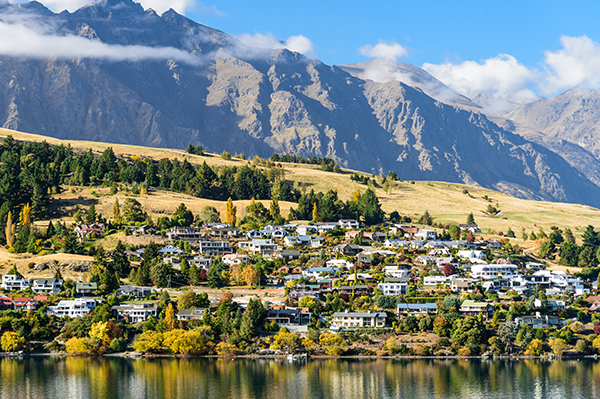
(74, 378)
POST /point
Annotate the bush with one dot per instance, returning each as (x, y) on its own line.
(118, 345)
(577, 327)
(464, 351)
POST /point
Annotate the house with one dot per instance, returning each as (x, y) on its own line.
(349, 224)
(315, 272)
(135, 313)
(403, 230)
(142, 230)
(552, 305)
(185, 234)
(225, 232)
(77, 307)
(288, 270)
(296, 295)
(359, 277)
(461, 285)
(358, 319)
(397, 288)
(488, 272)
(358, 289)
(395, 244)
(351, 235)
(535, 266)
(340, 263)
(417, 244)
(473, 308)
(325, 227)
(85, 288)
(46, 285)
(135, 291)
(212, 248)
(285, 316)
(416, 308)
(191, 314)
(303, 230)
(288, 254)
(264, 247)
(24, 304)
(347, 249)
(235, 259)
(201, 262)
(171, 250)
(12, 282)
(427, 235)
(539, 321)
(396, 271)
(432, 281)
(6, 303)
(470, 254)
(138, 253)
(85, 230)
(473, 228)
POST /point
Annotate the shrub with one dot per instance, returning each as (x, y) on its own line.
(577, 327)
(535, 348)
(464, 351)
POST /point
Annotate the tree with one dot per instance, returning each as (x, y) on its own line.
(535, 347)
(470, 218)
(546, 249)
(116, 211)
(190, 300)
(230, 211)
(210, 214)
(252, 319)
(274, 209)
(454, 232)
(10, 231)
(12, 342)
(590, 237)
(170, 318)
(315, 213)
(149, 342)
(426, 219)
(286, 341)
(183, 216)
(468, 330)
(132, 210)
(91, 216)
(25, 216)
(569, 237)
(332, 343)
(558, 346)
(449, 269)
(442, 326)
(214, 279)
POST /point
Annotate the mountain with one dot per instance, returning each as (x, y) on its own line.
(573, 116)
(381, 70)
(214, 91)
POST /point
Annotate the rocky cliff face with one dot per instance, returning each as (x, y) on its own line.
(258, 102)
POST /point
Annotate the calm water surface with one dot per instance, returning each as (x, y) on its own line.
(74, 378)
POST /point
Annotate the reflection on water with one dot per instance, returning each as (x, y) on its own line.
(74, 378)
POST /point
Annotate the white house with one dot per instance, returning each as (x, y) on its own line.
(394, 244)
(396, 271)
(340, 263)
(10, 282)
(259, 246)
(171, 250)
(349, 224)
(357, 319)
(426, 235)
(470, 254)
(46, 285)
(395, 288)
(201, 262)
(432, 281)
(77, 307)
(316, 272)
(136, 312)
(488, 272)
(303, 230)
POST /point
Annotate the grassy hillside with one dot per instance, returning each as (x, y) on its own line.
(446, 202)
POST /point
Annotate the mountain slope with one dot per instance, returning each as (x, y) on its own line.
(236, 98)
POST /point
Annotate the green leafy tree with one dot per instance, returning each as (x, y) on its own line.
(252, 319)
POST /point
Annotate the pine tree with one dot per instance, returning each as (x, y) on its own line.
(214, 279)
(315, 213)
(185, 268)
(50, 230)
(274, 209)
(91, 216)
(470, 218)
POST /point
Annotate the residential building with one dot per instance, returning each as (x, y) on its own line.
(303, 230)
(201, 262)
(347, 249)
(171, 250)
(136, 312)
(316, 272)
(427, 235)
(470, 254)
(287, 254)
(235, 259)
(214, 248)
(24, 304)
(473, 228)
(77, 307)
(349, 224)
(461, 285)
(85, 230)
(539, 321)
(12, 282)
(399, 288)
(416, 308)
(185, 234)
(46, 285)
(358, 289)
(473, 308)
(325, 227)
(135, 291)
(340, 263)
(285, 316)
(396, 271)
(395, 244)
(358, 319)
(432, 281)
(85, 288)
(191, 314)
(264, 247)
(488, 272)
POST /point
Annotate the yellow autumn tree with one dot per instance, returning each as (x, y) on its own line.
(170, 319)
(25, 217)
(230, 212)
(250, 276)
(315, 213)
(10, 230)
(149, 341)
(12, 342)
(100, 331)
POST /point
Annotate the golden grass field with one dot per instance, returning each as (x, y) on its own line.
(444, 201)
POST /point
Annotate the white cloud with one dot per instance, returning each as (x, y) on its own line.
(386, 50)
(498, 83)
(20, 41)
(300, 44)
(576, 64)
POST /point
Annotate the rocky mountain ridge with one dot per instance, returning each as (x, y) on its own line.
(240, 99)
